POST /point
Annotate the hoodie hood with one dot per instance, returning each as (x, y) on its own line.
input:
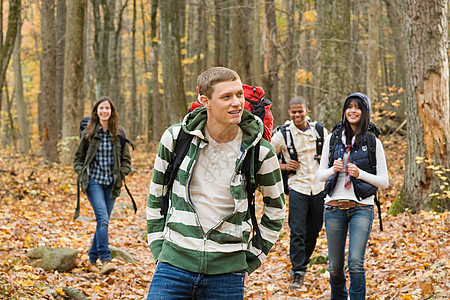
(365, 100)
(253, 127)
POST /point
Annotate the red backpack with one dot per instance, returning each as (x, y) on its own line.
(257, 105)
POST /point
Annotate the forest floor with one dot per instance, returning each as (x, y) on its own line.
(410, 259)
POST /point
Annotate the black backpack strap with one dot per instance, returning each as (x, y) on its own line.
(289, 140)
(131, 197)
(181, 148)
(249, 169)
(319, 141)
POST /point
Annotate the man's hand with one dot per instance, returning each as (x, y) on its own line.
(292, 165)
(246, 279)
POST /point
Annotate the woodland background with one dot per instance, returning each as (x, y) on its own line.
(58, 57)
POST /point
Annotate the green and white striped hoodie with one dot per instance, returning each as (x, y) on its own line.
(229, 246)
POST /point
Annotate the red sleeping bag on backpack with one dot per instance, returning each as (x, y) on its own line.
(257, 105)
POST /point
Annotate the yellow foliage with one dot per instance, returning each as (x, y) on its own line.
(310, 16)
(303, 76)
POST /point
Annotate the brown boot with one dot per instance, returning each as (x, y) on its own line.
(92, 267)
(108, 267)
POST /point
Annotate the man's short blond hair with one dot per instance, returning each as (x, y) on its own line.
(210, 77)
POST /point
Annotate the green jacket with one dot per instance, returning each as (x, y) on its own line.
(229, 246)
(82, 160)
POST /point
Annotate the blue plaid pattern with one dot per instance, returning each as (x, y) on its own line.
(101, 168)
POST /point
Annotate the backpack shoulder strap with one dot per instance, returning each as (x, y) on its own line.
(335, 135)
(372, 145)
(181, 148)
(251, 187)
(289, 140)
(319, 141)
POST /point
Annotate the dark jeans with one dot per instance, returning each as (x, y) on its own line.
(170, 282)
(305, 221)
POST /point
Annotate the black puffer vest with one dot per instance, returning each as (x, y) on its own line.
(360, 157)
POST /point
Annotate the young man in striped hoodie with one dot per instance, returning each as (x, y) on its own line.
(204, 248)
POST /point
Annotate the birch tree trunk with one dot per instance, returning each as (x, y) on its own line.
(428, 132)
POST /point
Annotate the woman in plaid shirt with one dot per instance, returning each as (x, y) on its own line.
(101, 163)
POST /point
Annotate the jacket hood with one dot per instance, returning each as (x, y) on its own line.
(365, 100)
(253, 128)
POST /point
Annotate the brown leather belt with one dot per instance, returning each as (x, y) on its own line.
(344, 204)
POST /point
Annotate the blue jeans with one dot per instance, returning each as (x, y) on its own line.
(305, 222)
(170, 282)
(99, 196)
(358, 222)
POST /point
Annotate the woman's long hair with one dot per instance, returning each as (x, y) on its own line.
(363, 123)
(94, 121)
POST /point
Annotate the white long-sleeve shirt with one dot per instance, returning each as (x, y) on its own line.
(380, 180)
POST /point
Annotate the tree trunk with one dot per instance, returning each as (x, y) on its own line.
(159, 119)
(174, 97)
(373, 50)
(218, 33)
(428, 131)
(257, 47)
(395, 14)
(356, 55)
(270, 54)
(237, 46)
(48, 81)
(8, 44)
(289, 60)
(20, 101)
(148, 95)
(73, 77)
(60, 30)
(134, 115)
(335, 74)
(202, 45)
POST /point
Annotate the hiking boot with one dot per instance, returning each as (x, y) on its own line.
(92, 267)
(108, 267)
(297, 281)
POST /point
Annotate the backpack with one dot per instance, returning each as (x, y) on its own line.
(256, 104)
(123, 140)
(373, 132)
(181, 148)
(289, 140)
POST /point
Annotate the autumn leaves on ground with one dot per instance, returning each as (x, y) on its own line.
(410, 259)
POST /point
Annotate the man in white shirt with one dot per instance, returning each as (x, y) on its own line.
(305, 190)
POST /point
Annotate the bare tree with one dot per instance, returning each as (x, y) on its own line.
(73, 77)
(174, 97)
(373, 52)
(48, 81)
(334, 33)
(60, 31)
(20, 101)
(8, 44)
(428, 131)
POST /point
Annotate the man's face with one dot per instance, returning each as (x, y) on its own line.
(298, 113)
(226, 104)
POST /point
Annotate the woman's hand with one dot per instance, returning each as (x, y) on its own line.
(353, 170)
(338, 165)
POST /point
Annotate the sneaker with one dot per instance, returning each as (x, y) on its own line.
(92, 267)
(108, 267)
(297, 281)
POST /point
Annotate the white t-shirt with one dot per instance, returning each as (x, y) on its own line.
(210, 191)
